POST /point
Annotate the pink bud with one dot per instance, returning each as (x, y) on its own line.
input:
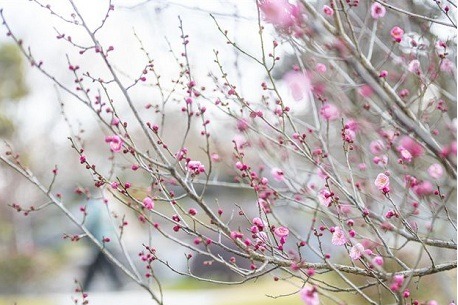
(397, 33)
(328, 10)
(329, 112)
(377, 10)
(378, 260)
(148, 203)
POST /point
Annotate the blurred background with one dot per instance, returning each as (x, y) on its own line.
(39, 266)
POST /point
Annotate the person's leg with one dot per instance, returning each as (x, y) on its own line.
(91, 270)
(111, 271)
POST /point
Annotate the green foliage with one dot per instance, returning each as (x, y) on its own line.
(12, 83)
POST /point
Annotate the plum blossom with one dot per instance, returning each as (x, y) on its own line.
(405, 155)
(414, 66)
(377, 147)
(324, 197)
(446, 65)
(196, 167)
(320, 68)
(258, 222)
(338, 237)
(240, 141)
(382, 182)
(277, 174)
(329, 112)
(328, 10)
(365, 91)
(423, 188)
(356, 251)
(215, 157)
(381, 161)
(435, 171)
(398, 280)
(298, 84)
(242, 125)
(281, 232)
(262, 237)
(276, 12)
(397, 33)
(115, 143)
(412, 146)
(352, 125)
(349, 135)
(148, 203)
(282, 14)
(377, 10)
(309, 295)
(441, 48)
(378, 260)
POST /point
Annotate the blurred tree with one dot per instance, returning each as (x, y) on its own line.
(12, 89)
(12, 84)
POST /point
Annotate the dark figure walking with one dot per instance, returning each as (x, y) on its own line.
(98, 222)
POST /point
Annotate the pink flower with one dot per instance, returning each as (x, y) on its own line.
(215, 157)
(356, 251)
(309, 295)
(349, 135)
(262, 237)
(441, 48)
(236, 235)
(383, 74)
(377, 147)
(377, 10)
(240, 141)
(328, 10)
(196, 167)
(435, 171)
(414, 67)
(329, 112)
(115, 143)
(277, 174)
(423, 188)
(378, 260)
(382, 181)
(242, 125)
(446, 65)
(366, 91)
(397, 33)
(325, 198)
(276, 12)
(381, 161)
(115, 121)
(398, 279)
(298, 84)
(148, 203)
(412, 146)
(281, 232)
(258, 222)
(281, 14)
(352, 125)
(320, 68)
(338, 237)
(405, 155)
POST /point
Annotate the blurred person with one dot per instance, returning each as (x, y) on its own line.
(98, 222)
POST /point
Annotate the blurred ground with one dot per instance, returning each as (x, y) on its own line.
(253, 294)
